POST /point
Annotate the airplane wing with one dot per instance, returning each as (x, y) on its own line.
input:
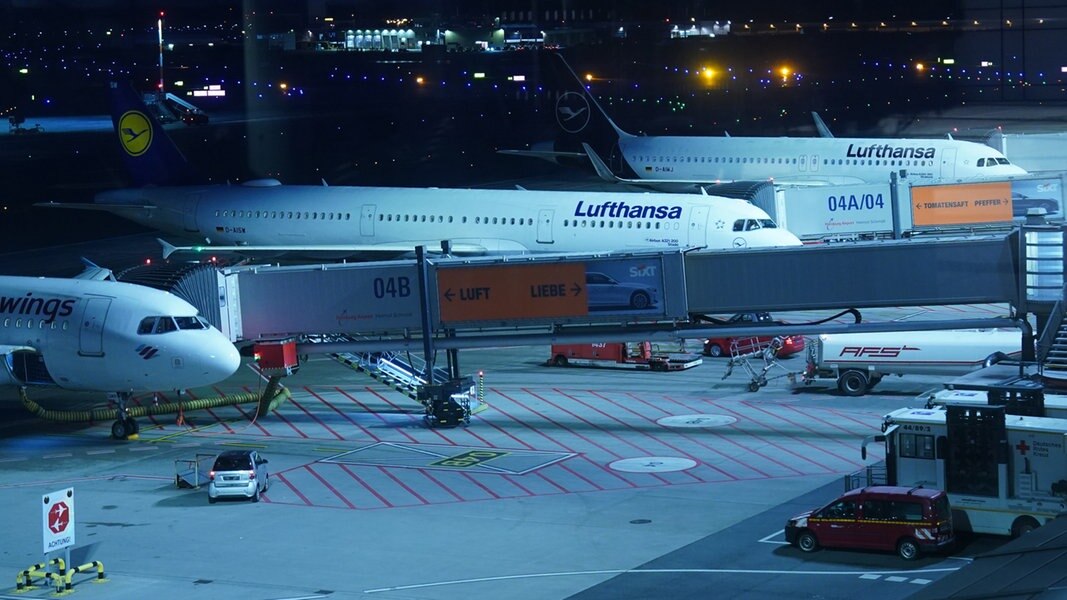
(820, 126)
(95, 206)
(381, 250)
(551, 156)
(94, 272)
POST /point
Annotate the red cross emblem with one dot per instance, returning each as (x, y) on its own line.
(58, 517)
(1022, 447)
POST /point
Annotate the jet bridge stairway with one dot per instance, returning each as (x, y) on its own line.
(448, 402)
(1052, 347)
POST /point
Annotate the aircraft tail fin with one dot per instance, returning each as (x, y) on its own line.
(148, 153)
(580, 118)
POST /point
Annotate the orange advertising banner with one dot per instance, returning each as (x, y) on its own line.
(961, 204)
(512, 292)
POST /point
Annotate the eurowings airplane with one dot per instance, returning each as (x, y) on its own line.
(268, 218)
(90, 334)
(701, 160)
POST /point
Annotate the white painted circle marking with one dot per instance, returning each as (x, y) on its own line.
(696, 421)
(653, 464)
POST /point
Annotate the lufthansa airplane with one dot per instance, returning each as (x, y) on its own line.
(266, 217)
(90, 334)
(701, 160)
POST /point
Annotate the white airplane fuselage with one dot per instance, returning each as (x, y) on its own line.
(91, 335)
(811, 160)
(266, 213)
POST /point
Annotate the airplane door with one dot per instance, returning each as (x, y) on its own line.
(802, 162)
(544, 226)
(814, 162)
(91, 336)
(698, 225)
(948, 163)
(189, 217)
(366, 220)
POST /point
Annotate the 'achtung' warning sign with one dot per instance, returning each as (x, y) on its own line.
(961, 204)
(512, 292)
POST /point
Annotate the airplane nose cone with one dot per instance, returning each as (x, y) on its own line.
(226, 360)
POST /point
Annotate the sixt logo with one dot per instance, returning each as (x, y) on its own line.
(622, 210)
(147, 351)
(28, 305)
(887, 151)
(643, 271)
(875, 351)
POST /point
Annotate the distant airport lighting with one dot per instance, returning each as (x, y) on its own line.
(708, 72)
(479, 75)
(24, 71)
(1063, 69)
(179, 83)
(986, 63)
(1008, 22)
(328, 19)
(920, 67)
(419, 80)
(853, 25)
(785, 72)
(948, 61)
(588, 76)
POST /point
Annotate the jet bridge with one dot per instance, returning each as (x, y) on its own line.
(451, 303)
(535, 299)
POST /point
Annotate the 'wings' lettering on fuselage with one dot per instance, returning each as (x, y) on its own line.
(37, 306)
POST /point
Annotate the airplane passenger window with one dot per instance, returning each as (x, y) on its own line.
(7, 322)
(217, 213)
(18, 323)
(29, 323)
(348, 216)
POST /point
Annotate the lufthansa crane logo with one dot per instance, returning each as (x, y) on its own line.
(135, 132)
(572, 112)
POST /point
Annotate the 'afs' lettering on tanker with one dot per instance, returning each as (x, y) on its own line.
(874, 351)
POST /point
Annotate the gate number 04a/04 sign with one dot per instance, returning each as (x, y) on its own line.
(57, 522)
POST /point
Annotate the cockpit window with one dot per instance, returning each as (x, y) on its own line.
(1003, 161)
(752, 225)
(768, 224)
(981, 162)
(193, 322)
(164, 324)
(739, 225)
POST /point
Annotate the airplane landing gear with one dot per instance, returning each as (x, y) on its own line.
(125, 425)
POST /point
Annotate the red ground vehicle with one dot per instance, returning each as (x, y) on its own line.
(906, 520)
(728, 346)
(622, 355)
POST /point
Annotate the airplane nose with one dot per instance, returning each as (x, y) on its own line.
(226, 359)
(216, 359)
